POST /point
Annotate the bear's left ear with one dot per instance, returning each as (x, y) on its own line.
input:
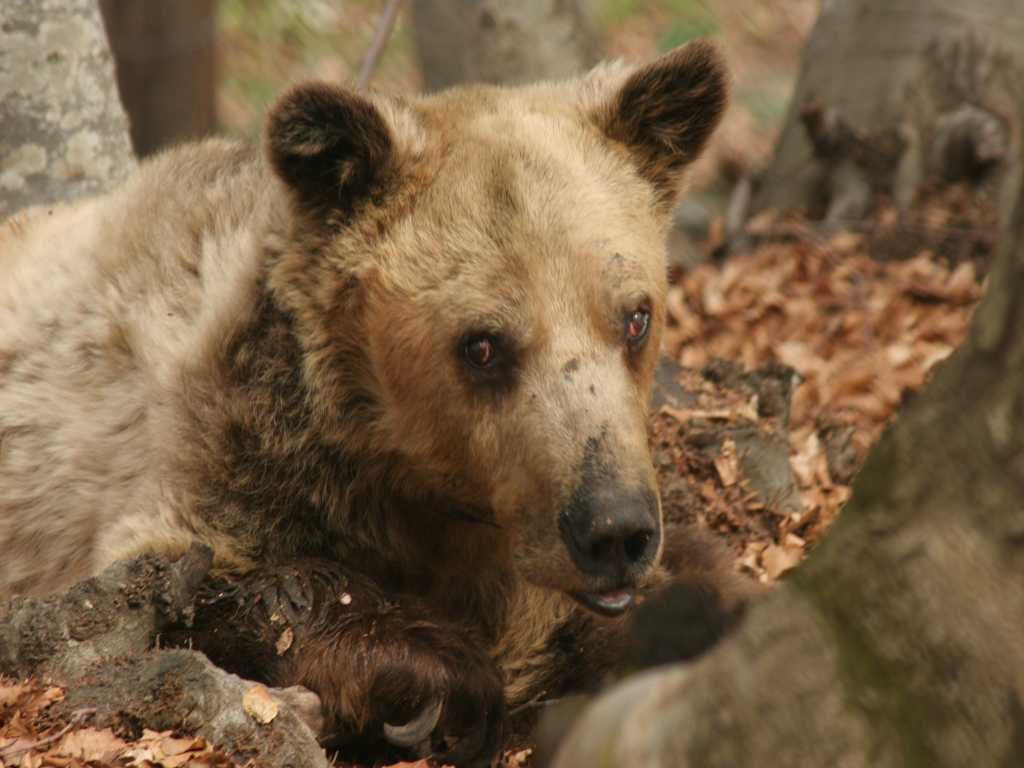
(334, 147)
(663, 112)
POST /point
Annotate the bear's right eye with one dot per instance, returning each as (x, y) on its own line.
(481, 351)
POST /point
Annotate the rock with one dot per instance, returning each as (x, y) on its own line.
(114, 614)
(840, 452)
(760, 436)
(667, 387)
(764, 461)
(183, 691)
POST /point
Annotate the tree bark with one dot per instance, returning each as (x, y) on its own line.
(114, 614)
(894, 94)
(166, 68)
(183, 691)
(96, 640)
(63, 133)
(898, 642)
(499, 42)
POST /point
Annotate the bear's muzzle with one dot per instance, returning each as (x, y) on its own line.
(613, 535)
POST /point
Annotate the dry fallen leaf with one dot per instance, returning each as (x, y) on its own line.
(517, 759)
(259, 704)
(172, 746)
(861, 332)
(13, 750)
(727, 464)
(164, 750)
(777, 560)
(90, 744)
(11, 691)
(284, 642)
(30, 738)
(751, 557)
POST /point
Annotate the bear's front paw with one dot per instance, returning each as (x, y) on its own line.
(428, 692)
(442, 698)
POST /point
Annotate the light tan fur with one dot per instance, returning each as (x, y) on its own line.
(102, 305)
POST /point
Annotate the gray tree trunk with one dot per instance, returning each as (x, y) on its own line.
(63, 133)
(899, 642)
(894, 94)
(492, 41)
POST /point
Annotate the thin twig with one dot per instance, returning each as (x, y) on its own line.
(385, 25)
(536, 703)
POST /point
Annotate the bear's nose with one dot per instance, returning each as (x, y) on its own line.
(612, 534)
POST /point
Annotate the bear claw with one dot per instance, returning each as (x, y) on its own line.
(417, 730)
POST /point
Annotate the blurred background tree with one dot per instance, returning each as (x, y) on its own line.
(166, 56)
(194, 67)
(499, 42)
(926, 104)
(896, 98)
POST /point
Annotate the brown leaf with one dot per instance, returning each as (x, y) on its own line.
(90, 744)
(284, 641)
(50, 696)
(13, 750)
(726, 463)
(517, 759)
(259, 704)
(171, 746)
(750, 559)
(11, 691)
(777, 560)
(176, 761)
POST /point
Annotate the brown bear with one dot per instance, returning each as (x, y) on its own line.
(393, 371)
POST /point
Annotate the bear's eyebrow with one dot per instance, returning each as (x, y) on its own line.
(620, 265)
(490, 323)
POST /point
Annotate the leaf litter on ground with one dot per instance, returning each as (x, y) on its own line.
(861, 334)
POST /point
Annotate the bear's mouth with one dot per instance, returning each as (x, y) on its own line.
(614, 602)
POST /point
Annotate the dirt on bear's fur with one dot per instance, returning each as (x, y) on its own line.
(393, 370)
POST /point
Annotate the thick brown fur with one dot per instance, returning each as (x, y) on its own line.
(268, 354)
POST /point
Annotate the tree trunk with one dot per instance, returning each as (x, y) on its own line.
(499, 42)
(166, 68)
(893, 95)
(898, 643)
(63, 133)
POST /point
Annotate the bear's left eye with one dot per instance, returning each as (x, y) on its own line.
(489, 359)
(638, 322)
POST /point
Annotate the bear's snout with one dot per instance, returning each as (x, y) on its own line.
(612, 534)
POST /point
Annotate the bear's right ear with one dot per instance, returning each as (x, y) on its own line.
(333, 147)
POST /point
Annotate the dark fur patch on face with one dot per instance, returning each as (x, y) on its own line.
(666, 112)
(502, 180)
(570, 368)
(329, 145)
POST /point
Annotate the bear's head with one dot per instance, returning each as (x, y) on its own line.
(479, 280)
